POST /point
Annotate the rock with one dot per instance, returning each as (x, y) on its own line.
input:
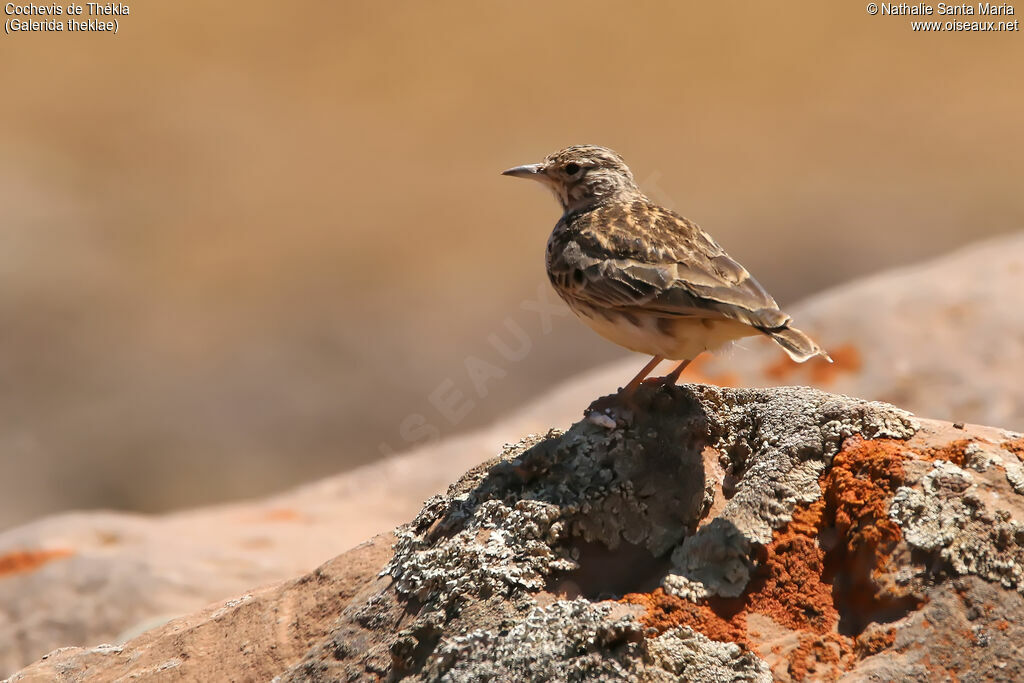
(250, 637)
(84, 578)
(701, 533)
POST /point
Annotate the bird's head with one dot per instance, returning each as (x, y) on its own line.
(581, 176)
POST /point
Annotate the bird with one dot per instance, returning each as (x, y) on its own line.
(643, 276)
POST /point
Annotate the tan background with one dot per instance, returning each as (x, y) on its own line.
(240, 246)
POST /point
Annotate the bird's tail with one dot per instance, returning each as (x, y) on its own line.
(798, 345)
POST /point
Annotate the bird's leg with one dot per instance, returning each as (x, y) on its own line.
(673, 376)
(634, 383)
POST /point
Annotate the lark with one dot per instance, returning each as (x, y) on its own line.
(643, 276)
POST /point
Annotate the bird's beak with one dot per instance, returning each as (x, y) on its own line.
(527, 171)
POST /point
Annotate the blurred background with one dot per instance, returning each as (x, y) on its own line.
(245, 248)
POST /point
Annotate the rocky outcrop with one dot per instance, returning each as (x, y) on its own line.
(81, 579)
(696, 532)
(250, 637)
(929, 345)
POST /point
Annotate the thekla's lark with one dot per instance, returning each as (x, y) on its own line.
(645, 277)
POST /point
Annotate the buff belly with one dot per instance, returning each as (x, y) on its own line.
(673, 338)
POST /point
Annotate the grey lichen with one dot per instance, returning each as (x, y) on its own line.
(692, 656)
(948, 518)
(576, 640)
(499, 549)
(502, 529)
(567, 640)
(782, 440)
(981, 455)
(778, 443)
(1015, 476)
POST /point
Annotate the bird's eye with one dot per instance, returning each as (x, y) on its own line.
(572, 168)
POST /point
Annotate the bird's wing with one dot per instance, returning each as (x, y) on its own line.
(640, 256)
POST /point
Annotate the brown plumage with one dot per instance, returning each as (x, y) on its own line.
(644, 276)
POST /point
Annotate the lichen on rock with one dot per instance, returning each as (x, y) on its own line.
(576, 640)
(747, 534)
(794, 433)
(688, 655)
(499, 549)
(948, 518)
(694, 533)
(638, 480)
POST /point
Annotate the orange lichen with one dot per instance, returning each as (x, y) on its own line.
(954, 452)
(1016, 447)
(846, 358)
(787, 585)
(666, 611)
(857, 490)
(874, 642)
(801, 586)
(20, 561)
(820, 658)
